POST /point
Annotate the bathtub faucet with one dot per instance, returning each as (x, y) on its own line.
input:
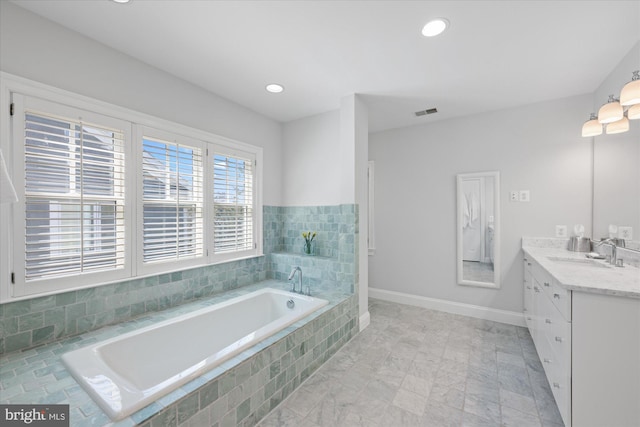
(292, 275)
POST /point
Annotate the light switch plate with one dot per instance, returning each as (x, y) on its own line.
(525, 195)
(625, 233)
(514, 196)
(561, 231)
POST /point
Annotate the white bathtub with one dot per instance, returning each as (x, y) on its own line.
(128, 372)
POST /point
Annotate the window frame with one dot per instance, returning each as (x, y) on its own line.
(23, 104)
(160, 266)
(217, 148)
(12, 90)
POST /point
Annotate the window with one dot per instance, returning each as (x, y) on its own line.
(74, 197)
(172, 213)
(72, 209)
(233, 200)
(107, 194)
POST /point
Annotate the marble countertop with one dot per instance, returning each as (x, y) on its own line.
(575, 272)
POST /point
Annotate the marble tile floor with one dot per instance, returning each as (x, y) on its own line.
(419, 367)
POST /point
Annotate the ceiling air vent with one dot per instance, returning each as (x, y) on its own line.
(425, 112)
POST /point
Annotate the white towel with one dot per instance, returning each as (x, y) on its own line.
(465, 212)
(7, 192)
(474, 207)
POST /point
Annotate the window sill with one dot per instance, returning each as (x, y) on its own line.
(303, 256)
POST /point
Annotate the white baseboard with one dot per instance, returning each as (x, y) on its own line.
(365, 319)
(502, 316)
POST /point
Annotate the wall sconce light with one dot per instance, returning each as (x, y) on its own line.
(592, 127)
(620, 126)
(616, 113)
(610, 112)
(630, 94)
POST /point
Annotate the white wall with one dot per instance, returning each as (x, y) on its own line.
(616, 198)
(311, 161)
(535, 147)
(325, 159)
(40, 50)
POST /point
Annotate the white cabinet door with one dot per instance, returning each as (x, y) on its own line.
(605, 360)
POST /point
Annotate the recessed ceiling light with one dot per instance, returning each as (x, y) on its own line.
(435, 27)
(274, 88)
(121, 1)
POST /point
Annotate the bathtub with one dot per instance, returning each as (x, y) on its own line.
(126, 373)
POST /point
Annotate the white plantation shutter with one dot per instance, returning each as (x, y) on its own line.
(74, 197)
(233, 201)
(172, 201)
(104, 197)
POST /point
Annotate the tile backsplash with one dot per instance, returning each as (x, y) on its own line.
(36, 321)
(335, 265)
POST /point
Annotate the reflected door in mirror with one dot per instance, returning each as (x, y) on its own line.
(477, 209)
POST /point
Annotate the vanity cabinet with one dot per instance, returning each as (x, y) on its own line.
(606, 360)
(589, 346)
(548, 317)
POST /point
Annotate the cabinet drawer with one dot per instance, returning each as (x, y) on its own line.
(539, 273)
(561, 298)
(560, 383)
(558, 334)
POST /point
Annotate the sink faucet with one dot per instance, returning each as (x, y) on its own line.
(614, 250)
(292, 275)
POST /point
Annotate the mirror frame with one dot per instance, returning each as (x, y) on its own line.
(497, 229)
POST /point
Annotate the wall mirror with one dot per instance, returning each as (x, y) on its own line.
(616, 166)
(478, 229)
(616, 187)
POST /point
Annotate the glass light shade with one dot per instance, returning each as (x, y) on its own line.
(592, 127)
(610, 112)
(633, 113)
(618, 127)
(630, 94)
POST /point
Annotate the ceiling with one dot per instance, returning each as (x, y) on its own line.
(495, 55)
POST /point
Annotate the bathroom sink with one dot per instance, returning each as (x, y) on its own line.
(578, 261)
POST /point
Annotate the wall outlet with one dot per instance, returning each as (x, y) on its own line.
(561, 231)
(525, 195)
(625, 233)
(514, 196)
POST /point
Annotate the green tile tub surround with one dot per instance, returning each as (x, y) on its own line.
(334, 266)
(33, 322)
(29, 323)
(284, 226)
(241, 391)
